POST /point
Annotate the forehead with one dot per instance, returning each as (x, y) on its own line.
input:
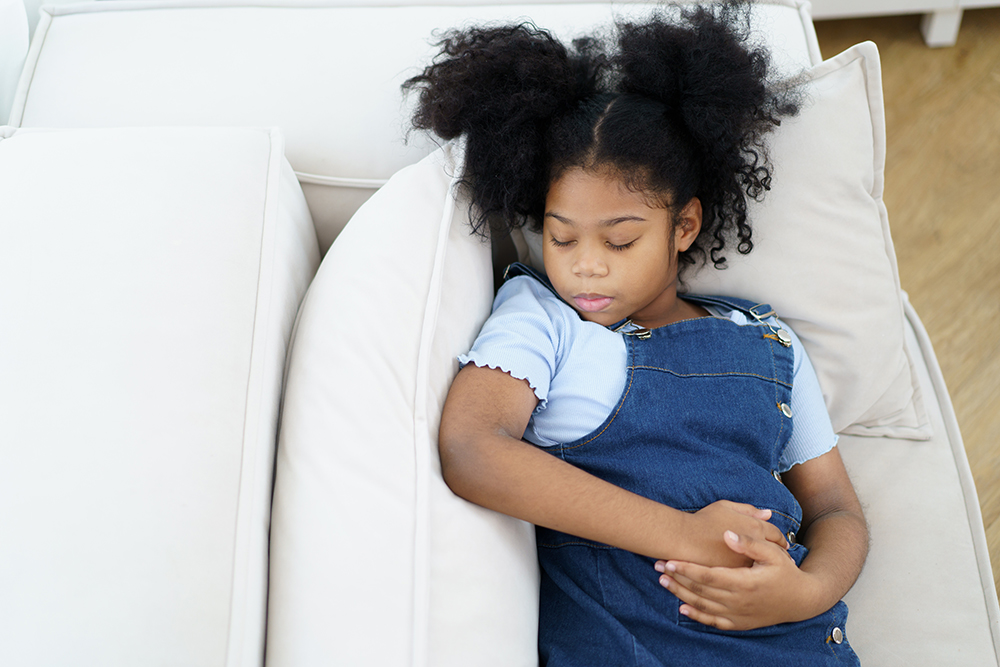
(594, 192)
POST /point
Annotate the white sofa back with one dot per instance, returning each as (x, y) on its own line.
(327, 73)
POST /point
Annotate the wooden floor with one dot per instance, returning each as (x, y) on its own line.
(943, 194)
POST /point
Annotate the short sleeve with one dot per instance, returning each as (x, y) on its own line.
(812, 432)
(521, 336)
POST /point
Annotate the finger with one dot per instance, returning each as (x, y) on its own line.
(759, 551)
(774, 535)
(750, 511)
(691, 591)
(720, 622)
(702, 603)
(661, 566)
(716, 583)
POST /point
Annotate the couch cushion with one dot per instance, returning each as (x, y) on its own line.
(374, 560)
(329, 76)
(149, 279)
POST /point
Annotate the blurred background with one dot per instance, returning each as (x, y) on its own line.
(942, 189)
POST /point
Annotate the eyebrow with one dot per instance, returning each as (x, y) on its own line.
(604, 223)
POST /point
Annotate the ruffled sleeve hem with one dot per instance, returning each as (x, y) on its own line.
(790, 459)
(473, 358)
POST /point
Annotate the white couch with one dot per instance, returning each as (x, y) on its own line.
(156, 245)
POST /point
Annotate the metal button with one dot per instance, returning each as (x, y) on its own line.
(785, 409)
(784, 337)
(791, 538)
(776, 475)
(837, 635)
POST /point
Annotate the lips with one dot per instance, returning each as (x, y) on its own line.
(591, 303)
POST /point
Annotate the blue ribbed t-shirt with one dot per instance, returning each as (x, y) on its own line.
(577, 369)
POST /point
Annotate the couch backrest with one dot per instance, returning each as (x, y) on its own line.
(327, 73)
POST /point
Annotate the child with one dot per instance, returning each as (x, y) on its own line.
(659, 423)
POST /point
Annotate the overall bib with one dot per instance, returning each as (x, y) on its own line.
(704, 416)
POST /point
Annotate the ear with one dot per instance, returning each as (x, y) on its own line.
(688, 225)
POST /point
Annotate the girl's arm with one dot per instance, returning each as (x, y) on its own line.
(484, 460)
(774, 590)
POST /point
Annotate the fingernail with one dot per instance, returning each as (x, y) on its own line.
(732, 536)
(684, 611)
(665, 581)
(671, 567)
(659, 567)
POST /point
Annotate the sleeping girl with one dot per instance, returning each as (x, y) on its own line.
(673, 450)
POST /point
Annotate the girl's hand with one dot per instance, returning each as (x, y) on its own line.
(772, 591)
(708, 524)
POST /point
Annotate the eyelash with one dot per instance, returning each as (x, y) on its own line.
(617, 248)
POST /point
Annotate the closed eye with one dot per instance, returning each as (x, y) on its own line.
(624, 246)
(559, 244)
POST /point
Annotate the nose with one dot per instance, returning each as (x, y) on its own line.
(588, 264)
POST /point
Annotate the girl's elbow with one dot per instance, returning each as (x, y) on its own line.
(458, 464)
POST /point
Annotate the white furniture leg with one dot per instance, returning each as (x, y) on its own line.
(940, 28)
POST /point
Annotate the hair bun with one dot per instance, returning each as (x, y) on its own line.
(500, 87)
(701, 67)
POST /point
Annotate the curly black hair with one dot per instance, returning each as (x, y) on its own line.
(676, 107)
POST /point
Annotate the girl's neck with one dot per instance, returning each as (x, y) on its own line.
(679, 310)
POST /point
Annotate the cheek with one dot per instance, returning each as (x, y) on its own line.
(655, 268)
(548, 258)
(553, 264)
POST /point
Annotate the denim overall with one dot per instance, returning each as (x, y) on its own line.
(704, 416)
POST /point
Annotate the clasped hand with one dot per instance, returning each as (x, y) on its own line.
(707, 525)
(755, 585)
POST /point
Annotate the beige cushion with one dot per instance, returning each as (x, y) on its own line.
(149, 279)
(374, 560)
(328, 75)
(823, 256)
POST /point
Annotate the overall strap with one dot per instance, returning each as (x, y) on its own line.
(758, 312)
(750, 308)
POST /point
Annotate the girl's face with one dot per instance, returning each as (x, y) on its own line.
(610, 254)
